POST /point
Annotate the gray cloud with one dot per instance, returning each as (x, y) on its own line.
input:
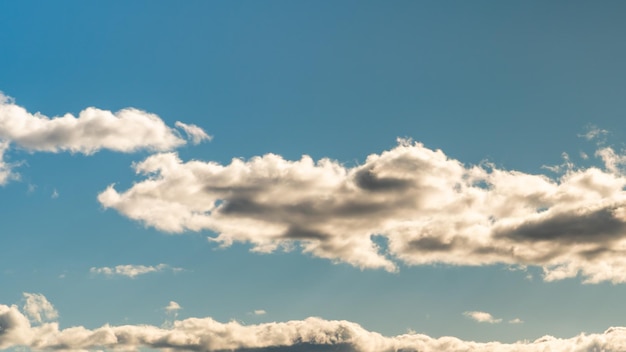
(311, 334)
(430, 208)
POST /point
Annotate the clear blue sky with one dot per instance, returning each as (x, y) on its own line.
(513, 83)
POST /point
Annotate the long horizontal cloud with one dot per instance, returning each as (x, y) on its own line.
(131, 271)
(312, 334)
(127, 130)
(430, 208)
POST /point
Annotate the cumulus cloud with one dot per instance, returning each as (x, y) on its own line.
(38, 308)
(482, 317)
(173, 307)
(206, 334)
(131, 271)
(193, 132)
(428, 207)
(127, 130)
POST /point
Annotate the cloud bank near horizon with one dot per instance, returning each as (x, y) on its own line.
(429, 208)
(311, 334)
(125, 131)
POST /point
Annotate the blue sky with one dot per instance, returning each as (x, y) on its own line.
(501, 89)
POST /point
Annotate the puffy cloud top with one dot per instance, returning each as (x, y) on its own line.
(429, 208)
(208, 335)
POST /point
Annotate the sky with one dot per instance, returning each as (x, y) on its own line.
(312, 176)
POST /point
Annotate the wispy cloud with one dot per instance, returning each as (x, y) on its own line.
(482, 317)
(208, 335)
(132, 271)
(194, 133)
(430, 208)
(594, 132)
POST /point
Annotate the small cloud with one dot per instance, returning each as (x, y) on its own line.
(482, 317)
(38, 308)
(593, 132)
(259, 312)
(193, 132)
(131, 271)
(55, 194)
(173, 307)
(516, 321)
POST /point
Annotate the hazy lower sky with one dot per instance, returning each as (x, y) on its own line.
(313, 175)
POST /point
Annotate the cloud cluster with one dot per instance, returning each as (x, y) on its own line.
(311, 334)
(131, 271)
(125, 131)
(428, 207)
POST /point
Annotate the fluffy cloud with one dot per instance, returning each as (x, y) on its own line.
(206, 334)
(38, 309)
(428, 207)
(127, 130)
(482, 317)
(131, 271)
(173, 307)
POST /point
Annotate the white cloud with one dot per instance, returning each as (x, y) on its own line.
(482, 317)
(194, 133)
(206, 334)
(430, 208)
(594, 132)
(6, 173)
(516, 321)
(131, 271)
(173, 307)
(38, 309)
(127, 130)
(259, 312)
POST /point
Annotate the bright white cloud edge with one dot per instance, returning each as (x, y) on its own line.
(206, 334)
(429, 208)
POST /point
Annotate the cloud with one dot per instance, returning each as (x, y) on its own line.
(594, 132)
(429, 208)
(173, 307)
(38, 309)
(311, 334)
(126, 131)
(131, 271)
(194, 133)
(482, 317)
(6, 173)
(259, 312)
(516, 321)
